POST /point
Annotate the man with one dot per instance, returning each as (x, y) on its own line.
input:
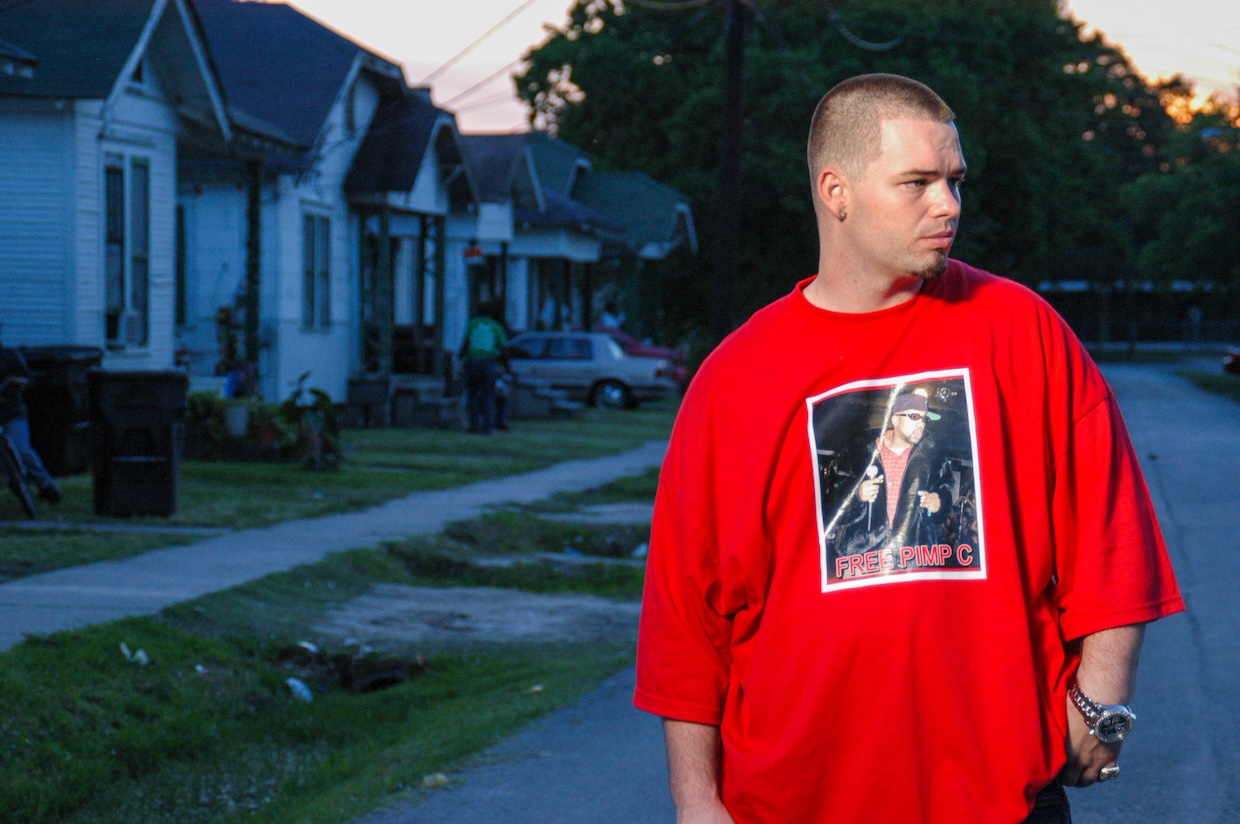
(15, 419)
(889, 492)
(791, 694)
(483, 345)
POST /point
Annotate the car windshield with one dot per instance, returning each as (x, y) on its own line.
(613, 349)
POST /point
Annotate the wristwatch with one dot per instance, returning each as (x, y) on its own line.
(1109, 723)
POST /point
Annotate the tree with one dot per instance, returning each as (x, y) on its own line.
(1052, 124)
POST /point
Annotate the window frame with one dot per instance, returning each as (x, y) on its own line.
(126, 251)
(316, 270)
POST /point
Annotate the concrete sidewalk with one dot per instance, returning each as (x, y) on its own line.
(145, 584)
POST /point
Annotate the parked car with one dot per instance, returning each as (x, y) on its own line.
(590, 367)
(1231, 361)
(632, 346)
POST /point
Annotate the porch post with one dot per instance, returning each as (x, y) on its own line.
(587, 295)
(253, 252)
(383, 292)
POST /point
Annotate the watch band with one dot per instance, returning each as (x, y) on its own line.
(1110, 723)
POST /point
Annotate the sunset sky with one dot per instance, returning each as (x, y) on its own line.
(1201, 40)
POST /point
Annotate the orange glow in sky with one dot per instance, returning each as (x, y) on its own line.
(1199, 38)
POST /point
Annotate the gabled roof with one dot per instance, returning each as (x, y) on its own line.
(558, 162)
(280, 65)
(562, 212)
(391, 153)
(91, 49)
(657, 217)
(502, 169)
(88, 49)
(82, 44)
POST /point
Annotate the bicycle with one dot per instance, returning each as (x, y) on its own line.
(15, 474)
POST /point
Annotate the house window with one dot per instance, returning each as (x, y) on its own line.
(316, 285)
(127, 251)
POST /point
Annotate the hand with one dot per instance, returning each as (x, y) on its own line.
(868, 490)
(1086, 754)
(930, 501)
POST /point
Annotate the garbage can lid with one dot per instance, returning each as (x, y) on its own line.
(61, 353)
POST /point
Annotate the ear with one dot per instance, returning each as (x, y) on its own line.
(832, 190)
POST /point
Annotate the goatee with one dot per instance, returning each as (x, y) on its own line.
(933, 270)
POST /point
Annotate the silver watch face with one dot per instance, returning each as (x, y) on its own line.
(1113, 726)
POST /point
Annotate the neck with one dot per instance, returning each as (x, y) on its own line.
(836, 291)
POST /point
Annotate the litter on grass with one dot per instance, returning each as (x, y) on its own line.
(140, 657)
(300, 690)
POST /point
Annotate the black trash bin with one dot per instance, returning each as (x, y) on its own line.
(138, 419)
(59, 402)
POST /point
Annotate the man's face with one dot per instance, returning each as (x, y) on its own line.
(905, 205)
(907, 428)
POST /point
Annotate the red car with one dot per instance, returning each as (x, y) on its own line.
(633, 346)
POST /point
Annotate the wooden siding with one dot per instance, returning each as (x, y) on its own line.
(88, 226)
(35, 220)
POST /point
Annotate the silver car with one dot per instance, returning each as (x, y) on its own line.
(590, 367)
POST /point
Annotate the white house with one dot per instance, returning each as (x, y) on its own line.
(102, 98)
(292, 243)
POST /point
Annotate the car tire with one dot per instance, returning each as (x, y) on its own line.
(611, 395)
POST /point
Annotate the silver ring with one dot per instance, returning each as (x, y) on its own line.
(1107, 773)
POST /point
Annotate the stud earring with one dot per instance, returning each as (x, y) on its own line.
(842, 214)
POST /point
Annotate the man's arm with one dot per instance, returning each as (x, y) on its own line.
(693, 772)
(1108, 675)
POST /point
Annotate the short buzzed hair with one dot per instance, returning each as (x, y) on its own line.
(846, 130)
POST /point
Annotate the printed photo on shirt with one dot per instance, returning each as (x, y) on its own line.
(895, 468)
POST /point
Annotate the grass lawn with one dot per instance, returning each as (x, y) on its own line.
(381, 464)
(208, 729)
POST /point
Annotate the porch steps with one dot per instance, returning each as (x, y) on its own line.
(537, 399)
(418, 402)
(404, 402)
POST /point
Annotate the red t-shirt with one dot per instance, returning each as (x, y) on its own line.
(861, 672)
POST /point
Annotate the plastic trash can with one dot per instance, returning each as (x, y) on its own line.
(138, 419)
(59, 402)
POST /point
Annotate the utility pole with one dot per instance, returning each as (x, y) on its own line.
(723, 307)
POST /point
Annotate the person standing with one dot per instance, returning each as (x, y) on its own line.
(993, 671)
(15, 419)
(483, 345)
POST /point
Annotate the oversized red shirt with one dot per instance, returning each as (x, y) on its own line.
(864, 673)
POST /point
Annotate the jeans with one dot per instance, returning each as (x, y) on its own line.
(18, 431)
(480, 377)
(1051, 806)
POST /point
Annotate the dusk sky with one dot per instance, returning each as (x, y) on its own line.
(1201, 39)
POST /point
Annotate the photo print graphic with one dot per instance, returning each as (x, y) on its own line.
(896, 473)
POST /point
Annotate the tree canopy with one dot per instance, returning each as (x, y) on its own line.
(1057, 127)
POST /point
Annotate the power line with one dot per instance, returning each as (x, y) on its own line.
(461, 54)
(489, 101)
(484, 81)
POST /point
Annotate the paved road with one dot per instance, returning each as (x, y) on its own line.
(1182, 765)
(602, 762)
(599, 762)
(145, 584)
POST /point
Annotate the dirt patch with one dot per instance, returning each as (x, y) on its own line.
(403, 618)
